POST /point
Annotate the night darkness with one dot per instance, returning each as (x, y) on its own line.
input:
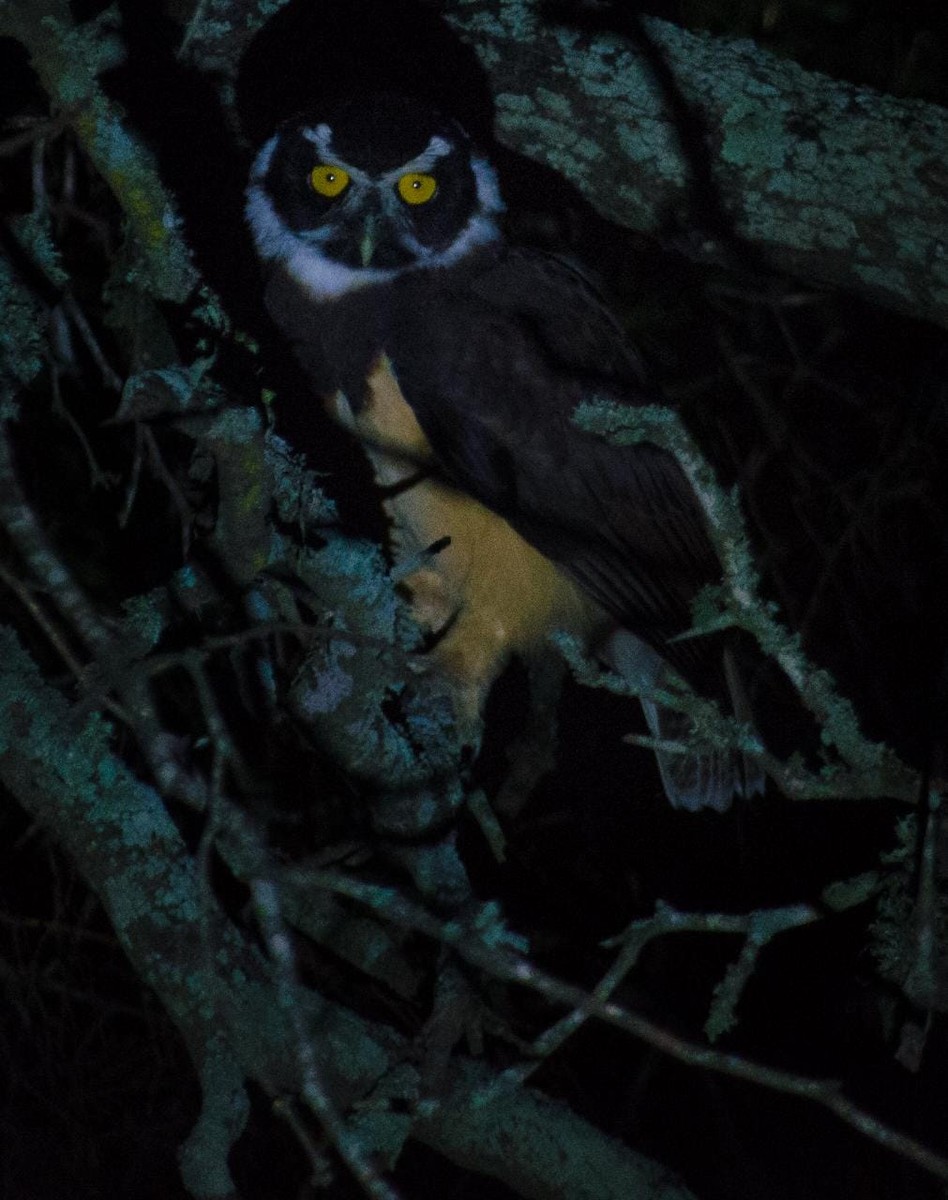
(829, 414)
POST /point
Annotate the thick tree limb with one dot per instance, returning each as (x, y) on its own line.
(222, 993)
(836, 183)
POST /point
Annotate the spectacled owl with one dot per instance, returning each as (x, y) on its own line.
(458, 360)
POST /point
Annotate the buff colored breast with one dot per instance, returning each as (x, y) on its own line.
(490, 592)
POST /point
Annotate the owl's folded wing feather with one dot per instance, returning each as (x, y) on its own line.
(494, 374)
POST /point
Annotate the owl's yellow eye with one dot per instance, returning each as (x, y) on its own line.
(328, 180)
(415, 188)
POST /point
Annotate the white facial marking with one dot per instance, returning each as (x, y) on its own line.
(321, 137)
(271, 237)
(423, 162)
(326, 279)
(488, 189)
(300, 252)
(261, 164)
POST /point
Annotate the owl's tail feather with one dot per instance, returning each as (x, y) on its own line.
(704, 778)
(692, 778)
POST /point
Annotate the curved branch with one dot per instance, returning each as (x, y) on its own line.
(838, 184)
(502, 963)
(873, 768)
(68, 59)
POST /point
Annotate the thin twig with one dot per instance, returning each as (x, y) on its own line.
(504, 964)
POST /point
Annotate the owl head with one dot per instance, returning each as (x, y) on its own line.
(363, 191)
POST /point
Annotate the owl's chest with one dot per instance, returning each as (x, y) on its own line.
(465, 567)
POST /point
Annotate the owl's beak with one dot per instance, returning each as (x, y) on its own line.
(369, 238)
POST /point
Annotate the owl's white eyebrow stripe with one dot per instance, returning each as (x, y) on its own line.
(423, 162)
(264, 158)
(438, 147)
(321, 137)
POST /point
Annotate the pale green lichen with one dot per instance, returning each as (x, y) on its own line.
(68, 59)
(34, 234)
(299, 499)
(839, 724)
(128, 168)
(160, 392)
(848, 893)
(224, 1111)
(22, 341)
(239, 425)
(210, 311)
(755, 137)
(811, 169)
(82, 782)
(903, 923)
(361, 567)
(890, 280)
(145, 618)
(332, 683)
(653, 143)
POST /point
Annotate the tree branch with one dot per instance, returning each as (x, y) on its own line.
(68, 59)
(226, 1002)
(835, 183)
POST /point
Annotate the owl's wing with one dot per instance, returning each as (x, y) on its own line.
(494, 368)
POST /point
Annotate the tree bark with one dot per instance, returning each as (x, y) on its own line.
(838, 184)
(221, 992)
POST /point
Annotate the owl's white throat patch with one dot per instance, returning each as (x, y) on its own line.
(303, 258)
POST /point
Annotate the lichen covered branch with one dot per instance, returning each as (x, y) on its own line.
(827, 180)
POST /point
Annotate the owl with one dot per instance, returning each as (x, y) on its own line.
(458, 361)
